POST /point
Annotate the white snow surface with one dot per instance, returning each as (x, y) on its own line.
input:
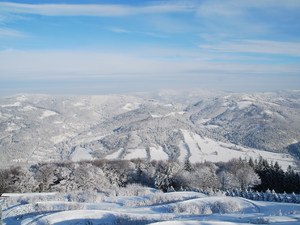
(136, 153)
(28, 108)
(201, 149)
(116, 155)
(205, 149)
(184, 152)
(16, 104)
(157, 153)
(81, 154)
(12, 127)
(131, 106)
(156, 208)
(244, 104)
(58, 138)
(47, 113)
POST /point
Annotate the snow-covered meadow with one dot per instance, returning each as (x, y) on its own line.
(140, 205)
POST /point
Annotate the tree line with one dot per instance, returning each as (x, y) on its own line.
(164, 175)
(273, 177)
(268, 195)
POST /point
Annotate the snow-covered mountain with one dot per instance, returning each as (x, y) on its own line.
(167, 125)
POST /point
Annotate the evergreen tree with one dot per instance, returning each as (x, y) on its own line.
(188, 166)
(164, 176)
(293, 198)
(251, 163)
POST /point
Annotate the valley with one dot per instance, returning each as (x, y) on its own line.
(196, 125)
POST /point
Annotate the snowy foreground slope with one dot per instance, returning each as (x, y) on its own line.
(168, 125)
(148, 206)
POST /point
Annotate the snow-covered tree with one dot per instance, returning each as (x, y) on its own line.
(44, 175)
(4, 180)
(188, 166)
(89, 177)
(284, 197)
(227, 180)
(294, 198)
(247, 178)
(269, 196)
(117, 172)
(164, 179)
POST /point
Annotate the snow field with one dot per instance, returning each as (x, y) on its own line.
(12, 127)
(157, 153)
(81, 154)
(131, 106)
(205, 149)
(47, 113)
(28, 108)
(244, 103)
(136, 153)
(116, 155)
(16, 104)
(184, 152)
(148, 206)
(200, 149)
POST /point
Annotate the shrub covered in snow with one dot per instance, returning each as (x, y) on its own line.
(260, 220)
(131, 190)
(207, 207)
(162, 198)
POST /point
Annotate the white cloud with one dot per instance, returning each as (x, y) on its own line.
(257, 46)
(152, 34)
(89, 9)
(204, 7)
(237, 7)
(4, 32)
(249, 18)
(118, 30)
(290, 4)
(68, 65)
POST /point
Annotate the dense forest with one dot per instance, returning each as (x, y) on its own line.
(237, 174)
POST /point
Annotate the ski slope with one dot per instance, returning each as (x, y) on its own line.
(205, 149)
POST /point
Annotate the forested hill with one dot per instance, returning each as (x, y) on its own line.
(195, 125)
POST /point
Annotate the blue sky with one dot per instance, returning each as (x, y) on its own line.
(117, 46)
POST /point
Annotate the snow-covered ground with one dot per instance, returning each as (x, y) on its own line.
(205, 149)
(157, 153)
(201, 149)
(138, 205)
(47, 113)
(81, 154)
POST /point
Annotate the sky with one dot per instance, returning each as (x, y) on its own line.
(118, 46)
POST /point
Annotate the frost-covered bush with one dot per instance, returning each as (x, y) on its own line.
(226, 206)
(191, 208)
(199, 207)
(160, 198)
(62, 206)
(260, 220)
(154, 199)
(32, 199)
(85, 196)
(132, 190)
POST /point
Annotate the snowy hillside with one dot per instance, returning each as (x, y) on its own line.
(168, 125)
(137, 205)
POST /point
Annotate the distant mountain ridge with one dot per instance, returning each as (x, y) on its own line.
(191, 125)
